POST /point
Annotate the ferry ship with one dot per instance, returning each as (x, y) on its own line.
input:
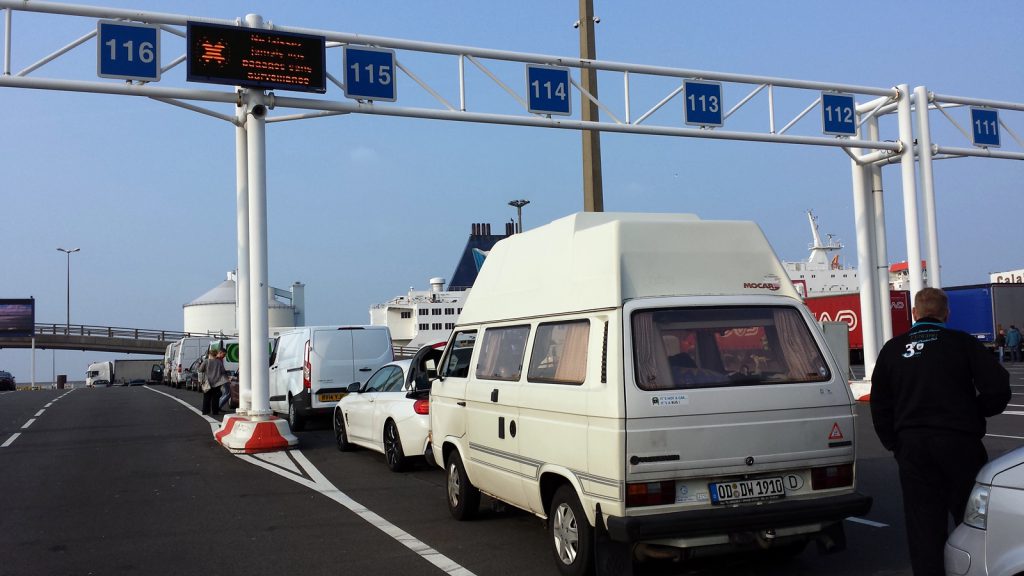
(820, 274)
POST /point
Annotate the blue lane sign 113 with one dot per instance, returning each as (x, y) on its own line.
(985, 127)
(370, 73)
(702, 103)
(547, 88)
(838, 114)
(127, 51)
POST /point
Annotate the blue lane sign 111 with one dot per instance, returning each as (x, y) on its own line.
(838, 115)
(370, 73)
(985, 127)
(702, 103)
(547, 88)
(127, 51)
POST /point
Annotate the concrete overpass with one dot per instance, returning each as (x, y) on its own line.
(98, 339)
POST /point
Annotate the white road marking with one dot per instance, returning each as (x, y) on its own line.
(40, 413)
(1014, 413)
(29, 423)
(48, 405)
(11, 440)
(1005, 436)
(867, 522)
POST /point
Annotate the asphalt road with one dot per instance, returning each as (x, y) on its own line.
(130, 481)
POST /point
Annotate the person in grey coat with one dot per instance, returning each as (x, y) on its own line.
(216, 376)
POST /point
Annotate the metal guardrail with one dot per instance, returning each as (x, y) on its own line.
(116, 332)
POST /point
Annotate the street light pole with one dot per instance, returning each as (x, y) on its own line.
(518, 205)
(67, 328)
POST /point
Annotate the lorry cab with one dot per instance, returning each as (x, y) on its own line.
(651, 375)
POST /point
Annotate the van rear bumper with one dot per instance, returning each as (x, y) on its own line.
(741, 518)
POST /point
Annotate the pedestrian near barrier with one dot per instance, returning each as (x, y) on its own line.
(931, 391)
(1013, 339)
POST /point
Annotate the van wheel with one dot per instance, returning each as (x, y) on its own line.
(393, 448)
(295, 421)
(339, 432)
(571, 534)
(463, 497)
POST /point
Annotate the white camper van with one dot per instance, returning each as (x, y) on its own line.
(312, 367)
(649, 378)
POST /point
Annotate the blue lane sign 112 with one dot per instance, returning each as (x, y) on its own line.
(127, 51)
(838, 115)
(547, 88)
(370, 73)
(985, 127)
(702, 103)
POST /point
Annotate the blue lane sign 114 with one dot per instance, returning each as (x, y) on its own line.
(985, 127)
(702, 103)
(127, 51)
(548, 90)
(370, 73)
(838, 115)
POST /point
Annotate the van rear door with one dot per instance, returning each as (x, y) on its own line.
(341, 356)
(724, 388)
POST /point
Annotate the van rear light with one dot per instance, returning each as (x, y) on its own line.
(651, 493)
(307, 370)
(421, 406)
(832, 477)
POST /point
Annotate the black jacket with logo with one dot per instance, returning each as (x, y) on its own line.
(935, 378)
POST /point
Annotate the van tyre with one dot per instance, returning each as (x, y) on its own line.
(572, 537)
(463, 497)
(393, 448)
(295, 421)
(340, 434)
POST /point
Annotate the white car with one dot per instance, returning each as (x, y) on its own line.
(390, 413)
(990, 541)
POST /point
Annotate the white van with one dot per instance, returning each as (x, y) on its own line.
(169, 355)
(188, 350)
(312, 367)
(652, 379)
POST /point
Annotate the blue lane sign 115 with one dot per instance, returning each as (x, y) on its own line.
(547, 88)
(702, 103)
(127, 51)
(838, 115)
(985, 127)
(370, 73)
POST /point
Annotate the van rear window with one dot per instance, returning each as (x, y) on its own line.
(683, 348)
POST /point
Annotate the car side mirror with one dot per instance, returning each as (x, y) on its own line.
(354, 388)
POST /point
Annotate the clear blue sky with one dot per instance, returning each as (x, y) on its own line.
(363, 207)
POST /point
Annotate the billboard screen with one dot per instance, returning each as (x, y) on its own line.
(17, 316)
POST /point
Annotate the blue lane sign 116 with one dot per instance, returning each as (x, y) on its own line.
(370, 73)
(702, 103)
(127, 51)
(548, 90)
(838, 115)
(985, 127)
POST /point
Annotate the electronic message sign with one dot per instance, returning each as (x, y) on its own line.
(256, 58)
(17, 317)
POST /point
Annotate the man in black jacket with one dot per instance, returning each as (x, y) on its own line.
(931, 390)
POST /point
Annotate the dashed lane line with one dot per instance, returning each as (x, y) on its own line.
(871, 523)
(40, 413)
(10, 440)
(27, 424)
(31, 420)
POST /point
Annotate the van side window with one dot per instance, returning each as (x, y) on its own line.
(456, 364)
(682, 348)
(501, 353)
(559, 353)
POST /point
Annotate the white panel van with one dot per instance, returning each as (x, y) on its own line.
(188, 350)
(652, 380)
(312, 367)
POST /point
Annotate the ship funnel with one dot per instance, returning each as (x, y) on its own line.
(437, 284)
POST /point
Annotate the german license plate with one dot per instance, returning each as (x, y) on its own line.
(331, 397)
(752, 490)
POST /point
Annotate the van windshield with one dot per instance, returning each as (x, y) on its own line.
(683, 348)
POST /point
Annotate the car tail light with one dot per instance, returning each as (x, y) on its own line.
(832, 477)
(421, 406)
(307, 370)
(651, 493)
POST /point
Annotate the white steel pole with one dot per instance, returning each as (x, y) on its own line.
(924, 155)
(865, 262)
(255, 127)
(34, 361)
(881, 251)
(243, 310)
(909, 190)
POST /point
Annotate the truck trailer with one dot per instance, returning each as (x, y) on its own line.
(979, 309)
(134, 372)
(846, 308)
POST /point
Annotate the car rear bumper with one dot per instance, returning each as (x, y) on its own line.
(708, 521)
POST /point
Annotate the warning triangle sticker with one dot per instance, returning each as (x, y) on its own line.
(836, 433)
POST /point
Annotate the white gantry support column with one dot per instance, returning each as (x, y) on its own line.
(863, 211)
(243, 310)
(924, 155)
(906, 125)
(881, 252)
(255, 127)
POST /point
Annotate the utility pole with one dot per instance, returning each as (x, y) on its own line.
(593, 193)
(518, 205)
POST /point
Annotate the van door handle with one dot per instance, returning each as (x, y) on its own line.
(501, 427)
(494, 395)
(461, 403)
